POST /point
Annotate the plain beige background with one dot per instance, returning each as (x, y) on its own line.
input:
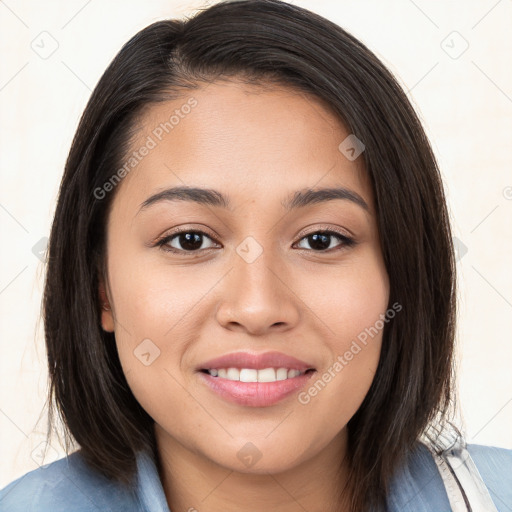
(453, 58)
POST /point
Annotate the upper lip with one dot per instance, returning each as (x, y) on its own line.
(256, 361)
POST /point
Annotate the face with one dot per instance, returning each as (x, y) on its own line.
(257, 271)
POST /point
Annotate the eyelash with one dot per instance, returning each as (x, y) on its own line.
(345, 241)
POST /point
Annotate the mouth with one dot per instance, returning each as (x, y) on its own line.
(246, 362)
(255, 380)
(233, 389)
(254, 375)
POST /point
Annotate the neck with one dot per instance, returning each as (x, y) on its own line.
(193, 482)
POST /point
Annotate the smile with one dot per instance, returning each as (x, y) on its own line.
(254, 375)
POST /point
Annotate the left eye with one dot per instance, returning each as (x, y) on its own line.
(321, 241)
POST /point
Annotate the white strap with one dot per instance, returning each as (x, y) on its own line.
(455, 497)
(464, 485)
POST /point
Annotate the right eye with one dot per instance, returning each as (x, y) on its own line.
(185, 241)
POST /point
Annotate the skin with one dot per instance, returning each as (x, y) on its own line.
(257, 146)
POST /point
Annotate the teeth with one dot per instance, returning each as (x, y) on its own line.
(266, 375)
(252, 375)
(282, 373)
(247, 375)
(233, 374)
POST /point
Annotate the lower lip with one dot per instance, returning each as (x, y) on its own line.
(255, 394)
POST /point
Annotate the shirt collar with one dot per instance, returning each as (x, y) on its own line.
(150, 492)
(415, 487)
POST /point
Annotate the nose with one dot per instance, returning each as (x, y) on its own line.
(257, 298)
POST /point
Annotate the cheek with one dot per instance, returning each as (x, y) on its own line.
(156, 310)
(351, 300)
(355, 313)
(154, 301)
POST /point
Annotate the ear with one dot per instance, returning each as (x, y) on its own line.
(107, 318)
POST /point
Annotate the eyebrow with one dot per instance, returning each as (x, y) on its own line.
(210, 197)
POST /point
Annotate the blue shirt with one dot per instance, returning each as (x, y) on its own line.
(69, 485)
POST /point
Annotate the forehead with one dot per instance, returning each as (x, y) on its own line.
(243, 139)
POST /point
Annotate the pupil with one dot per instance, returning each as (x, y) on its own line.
(319, 241)
(190, 241)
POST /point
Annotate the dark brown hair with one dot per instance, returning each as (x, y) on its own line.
(268, 42)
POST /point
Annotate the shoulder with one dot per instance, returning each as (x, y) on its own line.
(64, 485)
(418, 486)
(495, 466)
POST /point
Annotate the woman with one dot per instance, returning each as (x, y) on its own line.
(250, 295)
